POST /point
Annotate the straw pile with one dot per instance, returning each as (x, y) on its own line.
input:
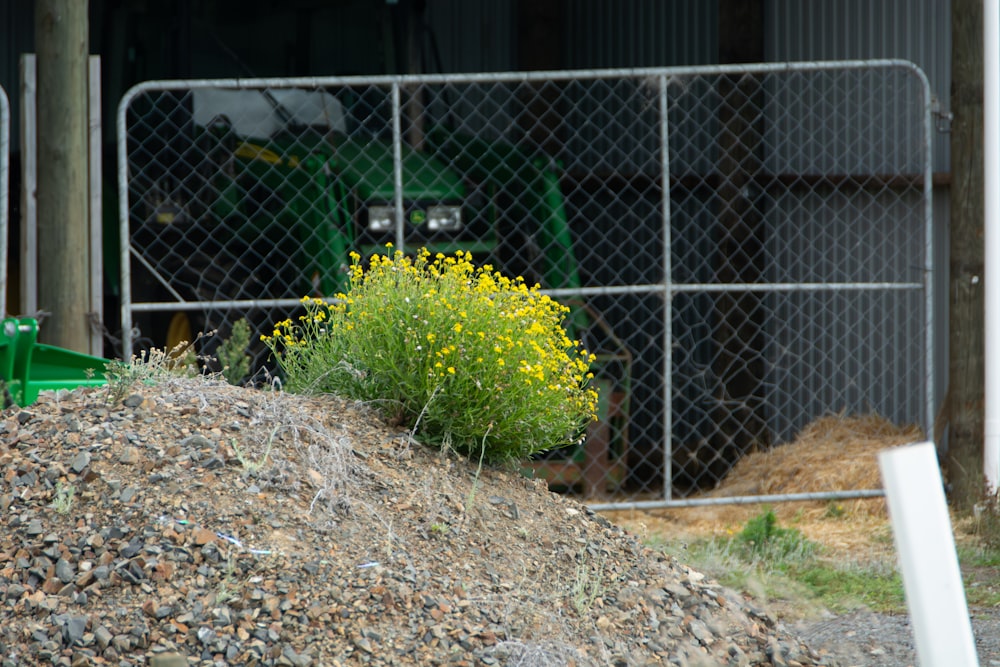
(833, 453)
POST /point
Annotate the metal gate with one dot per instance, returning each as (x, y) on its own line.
(745, 248)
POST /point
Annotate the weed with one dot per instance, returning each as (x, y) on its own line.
(979, 556)
(480, 360)
(232, 353)
(62, 502)
(439, 528)
(229, 587)
(146, 368)
(764, 539)
(834, 510)
(841, 588)
(587, 586)
(980, 567)
(986, 522)
(253, 466)
(471, 498)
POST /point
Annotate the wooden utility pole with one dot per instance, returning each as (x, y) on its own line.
(964, 461)
(61, 45)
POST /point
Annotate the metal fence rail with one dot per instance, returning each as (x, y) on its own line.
(746, 248)
(4, 195)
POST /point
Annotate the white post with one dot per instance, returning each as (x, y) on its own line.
(991, 232)
(29, 207)
(932, 580)
(96, 217)
(29, 204)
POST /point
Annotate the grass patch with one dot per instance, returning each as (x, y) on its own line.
(841, 588)
(980, 565)
(779, 565)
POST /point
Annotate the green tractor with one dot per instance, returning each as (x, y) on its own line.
(266, 192)
(269, 191)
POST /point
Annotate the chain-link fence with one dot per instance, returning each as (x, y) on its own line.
(745, 248)
(4, 195)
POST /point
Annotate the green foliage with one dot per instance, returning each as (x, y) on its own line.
(588, 584)
(981, 573)
(232, 353)
(146, 368)
(775, 563)
(762, 537)
(986, 523)
(62, 501)
(465, 357)
(843, 588)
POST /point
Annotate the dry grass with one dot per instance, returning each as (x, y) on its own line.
(835, 452)
(831, 453)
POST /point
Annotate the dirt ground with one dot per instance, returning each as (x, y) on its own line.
(833, 453)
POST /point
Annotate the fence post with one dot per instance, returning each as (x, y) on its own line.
(926, 548)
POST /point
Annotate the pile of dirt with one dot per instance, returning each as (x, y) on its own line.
(194, 523)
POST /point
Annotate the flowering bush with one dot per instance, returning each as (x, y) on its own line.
(464, 356)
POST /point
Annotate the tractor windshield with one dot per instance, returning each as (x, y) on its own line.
(264, 113)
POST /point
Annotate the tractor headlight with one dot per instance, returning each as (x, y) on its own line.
(444, 218)
(381, 218)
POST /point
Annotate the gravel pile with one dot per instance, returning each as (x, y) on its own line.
(196, 523)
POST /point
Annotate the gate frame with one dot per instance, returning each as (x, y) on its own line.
(662, 75)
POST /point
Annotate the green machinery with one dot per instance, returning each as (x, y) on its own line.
(28, 367)
(286, 183)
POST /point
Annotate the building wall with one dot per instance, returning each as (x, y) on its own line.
(480, 35)
(914, 30)
(640, 33)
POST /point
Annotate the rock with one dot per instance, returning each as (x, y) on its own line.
(80, 462)
(168, 660)
(102, 636)
(65, 571)
(73, 628)
(133, 401)
(358, 578)
(129, 456)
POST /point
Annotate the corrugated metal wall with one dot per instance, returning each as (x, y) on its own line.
(474, 36)
(480, 36)
(915, 30)
(17, 27)
(640, 33)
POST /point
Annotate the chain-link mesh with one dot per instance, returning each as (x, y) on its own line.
(768, 226)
